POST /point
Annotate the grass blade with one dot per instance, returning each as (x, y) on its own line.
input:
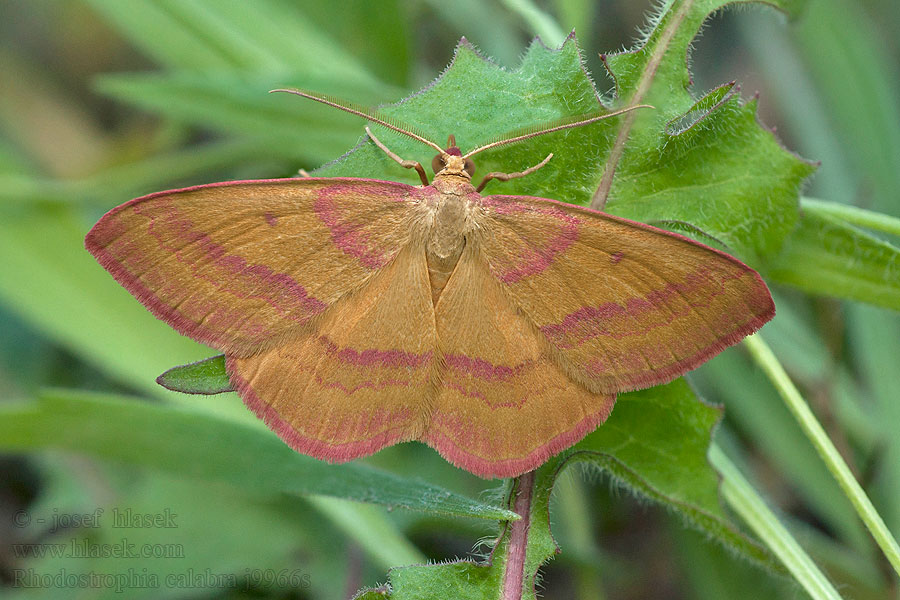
(814, 431)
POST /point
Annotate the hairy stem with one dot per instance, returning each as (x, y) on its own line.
(514, 571)
(766, 359)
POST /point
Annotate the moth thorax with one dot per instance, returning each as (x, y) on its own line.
(448, 228)
(446, 241)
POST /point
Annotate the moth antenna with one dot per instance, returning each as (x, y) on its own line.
(360, 111)
(557, 126)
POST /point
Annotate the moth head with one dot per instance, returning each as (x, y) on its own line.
(452, 162)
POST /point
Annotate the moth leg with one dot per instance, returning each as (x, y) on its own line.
(407, 164)
(508, 176)
(303, 173)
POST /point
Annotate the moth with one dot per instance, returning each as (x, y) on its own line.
(358, 313)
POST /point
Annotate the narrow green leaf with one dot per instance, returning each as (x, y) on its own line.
(146, 23)
(220, 450)
(540, 23)
(377, 34)
(763, 356)
(121, 182)
(806, 123)
(763, 419)
(485, 24)
(241, 103)
(369, 526)
(263, 36)
(874, 346)
(577, 15)
(828, 257)
(854, 215)
(857, 81)
(56, 286)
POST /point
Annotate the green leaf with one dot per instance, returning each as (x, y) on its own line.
(220, 450)
(714, 154)
(853, 215)
(690, 155)
(655, 443)
(825, 256)
(497, 576)
(207, 376)
(477, 101)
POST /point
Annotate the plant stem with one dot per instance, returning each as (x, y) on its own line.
(741, 496)
(764, 357)
(514, 571)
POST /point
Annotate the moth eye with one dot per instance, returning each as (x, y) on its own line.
(470, 166)
(438, 163)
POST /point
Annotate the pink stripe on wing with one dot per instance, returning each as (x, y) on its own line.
(257, 281)
(478, 367)
(376, 358)
(349, 226)
(672, 301)
(532, 260)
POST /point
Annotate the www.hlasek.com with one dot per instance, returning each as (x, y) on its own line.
(250, 579)
(84, 548)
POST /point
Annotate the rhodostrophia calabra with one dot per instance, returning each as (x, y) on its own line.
(357, 313)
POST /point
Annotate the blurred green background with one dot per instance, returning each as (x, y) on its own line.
(98, 104)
